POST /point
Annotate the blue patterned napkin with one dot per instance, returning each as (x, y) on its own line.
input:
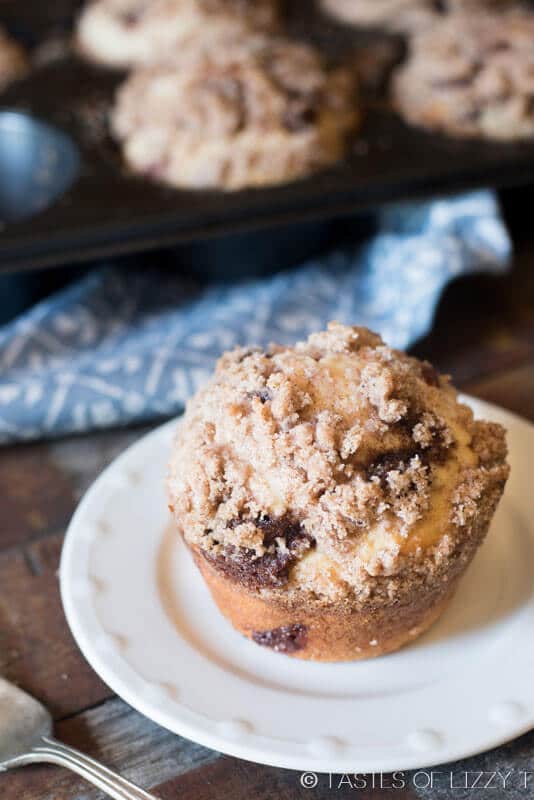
(113, 349)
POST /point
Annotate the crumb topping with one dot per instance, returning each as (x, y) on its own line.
(404, 16)
(333, 467)
(265, 111)
(472, 74)
(127, 33)
(172, 21)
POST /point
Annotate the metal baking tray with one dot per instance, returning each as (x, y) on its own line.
(95, 208)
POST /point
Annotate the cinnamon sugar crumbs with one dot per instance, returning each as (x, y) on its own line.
(382, 469)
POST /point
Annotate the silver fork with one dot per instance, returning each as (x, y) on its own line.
(26, 738)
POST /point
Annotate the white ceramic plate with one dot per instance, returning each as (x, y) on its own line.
(146, 623)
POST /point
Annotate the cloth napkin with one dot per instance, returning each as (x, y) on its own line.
(113, 348)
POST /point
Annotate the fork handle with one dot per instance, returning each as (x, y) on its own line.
(53, 752)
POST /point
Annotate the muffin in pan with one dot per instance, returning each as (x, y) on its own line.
(394, 15)
(471, 75)
(267, 114)
(13, 60)
(404, 16)
(333, 494)
(127, 33)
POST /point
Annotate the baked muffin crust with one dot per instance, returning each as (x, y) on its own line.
(405, 16)
(471, 74)
(268, 114)
(393, 15)
(339, 474)
(126, 33)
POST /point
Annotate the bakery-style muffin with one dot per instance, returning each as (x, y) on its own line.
(267, 114)
(13, 61)
(471, 75)
(404, 16)
(333, 494)
(126, 33)
(393, 15)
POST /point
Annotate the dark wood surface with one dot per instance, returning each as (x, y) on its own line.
(484, 336)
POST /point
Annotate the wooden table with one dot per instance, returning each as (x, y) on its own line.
(484, 336)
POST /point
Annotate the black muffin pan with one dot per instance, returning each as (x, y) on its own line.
(65, 195)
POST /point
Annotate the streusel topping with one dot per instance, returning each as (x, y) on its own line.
(134, 32)
(471, 74)
(330, 464)
(267, 113)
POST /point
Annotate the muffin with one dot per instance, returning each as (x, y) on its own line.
(394, 15)
(404, 16)
(471, 75)
(268, 114)
(126, 33)
(333, 494)
(13, 61)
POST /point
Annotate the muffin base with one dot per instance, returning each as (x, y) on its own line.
(343, 633)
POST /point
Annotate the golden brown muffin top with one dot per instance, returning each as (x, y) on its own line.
(329, 464)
